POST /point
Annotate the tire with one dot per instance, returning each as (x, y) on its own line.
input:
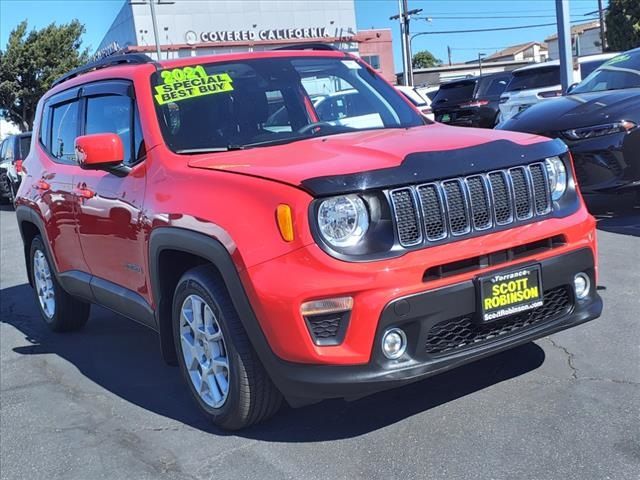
(234, 397)
(65, 313)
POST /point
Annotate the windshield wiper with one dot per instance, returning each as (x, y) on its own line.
(228, 148)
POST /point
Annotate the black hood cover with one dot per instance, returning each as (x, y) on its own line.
(422, 167)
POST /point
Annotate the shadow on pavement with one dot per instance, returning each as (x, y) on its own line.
(616, 213)
(124, 358)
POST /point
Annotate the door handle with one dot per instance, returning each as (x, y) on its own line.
(41, 185)
(84, 192)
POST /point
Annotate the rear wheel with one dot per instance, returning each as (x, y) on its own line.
(60, 311)
(217, 360)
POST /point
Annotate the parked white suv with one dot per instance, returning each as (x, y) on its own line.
(418, 99)
(535, 83)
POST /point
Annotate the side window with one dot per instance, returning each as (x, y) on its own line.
(45, 131)
(3, 149)
(112, 114)
(64, 130)
(8, 155)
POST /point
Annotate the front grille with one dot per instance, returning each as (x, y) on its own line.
(464, 332)
(460, 206)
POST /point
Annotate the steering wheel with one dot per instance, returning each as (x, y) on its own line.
(314, 126)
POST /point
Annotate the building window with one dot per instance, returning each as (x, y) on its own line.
(373, 60)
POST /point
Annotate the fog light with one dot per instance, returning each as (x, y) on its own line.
(581, 285)
(394, 343)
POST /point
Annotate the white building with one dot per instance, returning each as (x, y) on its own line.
(585, 40)
(524, 52)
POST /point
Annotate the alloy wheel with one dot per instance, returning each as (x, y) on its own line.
(204, 351)
(44, 284)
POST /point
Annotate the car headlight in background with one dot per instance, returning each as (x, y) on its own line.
(599, 130)
(343, 220)
(557, 175)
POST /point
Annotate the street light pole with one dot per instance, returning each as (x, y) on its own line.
(155, 27)
(603, 34)
(404, 17)
(564, 43)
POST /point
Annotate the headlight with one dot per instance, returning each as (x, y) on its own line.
(599, 130)
(343, 220)
(557, 175)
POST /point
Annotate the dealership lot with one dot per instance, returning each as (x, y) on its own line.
(101, 403)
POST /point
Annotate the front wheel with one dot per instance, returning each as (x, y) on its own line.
(60, 311)
(217, 360)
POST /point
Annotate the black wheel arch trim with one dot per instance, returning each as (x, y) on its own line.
(213, 251)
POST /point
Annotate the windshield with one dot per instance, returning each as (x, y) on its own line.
(534, 78)
(620, 72)
(259, 102)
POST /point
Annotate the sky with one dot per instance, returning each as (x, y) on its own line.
(97, 16)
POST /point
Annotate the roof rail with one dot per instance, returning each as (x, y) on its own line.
(109, 61)
(309, 46)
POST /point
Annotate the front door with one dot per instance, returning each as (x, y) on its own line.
(51, 181)
(110, 223)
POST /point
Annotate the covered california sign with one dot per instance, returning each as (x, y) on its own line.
(256, 35)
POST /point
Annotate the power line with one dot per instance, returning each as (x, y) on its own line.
(512, 12)
(443, 32)
(476, 17)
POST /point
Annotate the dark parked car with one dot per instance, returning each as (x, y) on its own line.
(599, 121)
(472, 102)
(13, 150)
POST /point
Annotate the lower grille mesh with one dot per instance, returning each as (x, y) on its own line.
(463, 332)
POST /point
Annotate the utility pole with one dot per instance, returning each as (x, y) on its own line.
(449, 54)
(404, 17)
(564, 43)
(603, 33)
(480, 55)
(156, 37)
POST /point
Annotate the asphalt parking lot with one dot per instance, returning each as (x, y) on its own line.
(102, 404)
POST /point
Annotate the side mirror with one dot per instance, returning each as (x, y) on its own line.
(99, 150)
(572, 86)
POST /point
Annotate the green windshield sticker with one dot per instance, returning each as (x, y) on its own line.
(618, 59)
(189, 82)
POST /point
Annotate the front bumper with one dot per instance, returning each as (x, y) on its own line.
(418, 315)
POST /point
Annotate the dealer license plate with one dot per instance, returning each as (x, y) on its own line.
(508, 293)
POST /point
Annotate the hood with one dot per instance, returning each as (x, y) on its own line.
(575, 111)
(365, 151)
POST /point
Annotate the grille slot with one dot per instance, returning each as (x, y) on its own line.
(521, 193)
(459, 206)
(480, 206)
(502, 205)
(406, 213)
(463, 332)
(458, 215)
(541, 194)
(432, 211)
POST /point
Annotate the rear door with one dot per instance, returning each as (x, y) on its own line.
(109, 214)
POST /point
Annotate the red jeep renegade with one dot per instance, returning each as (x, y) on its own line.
(293, 228)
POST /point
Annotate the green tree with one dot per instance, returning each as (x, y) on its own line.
(623, 24)
(31, 62)
(425, 59)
